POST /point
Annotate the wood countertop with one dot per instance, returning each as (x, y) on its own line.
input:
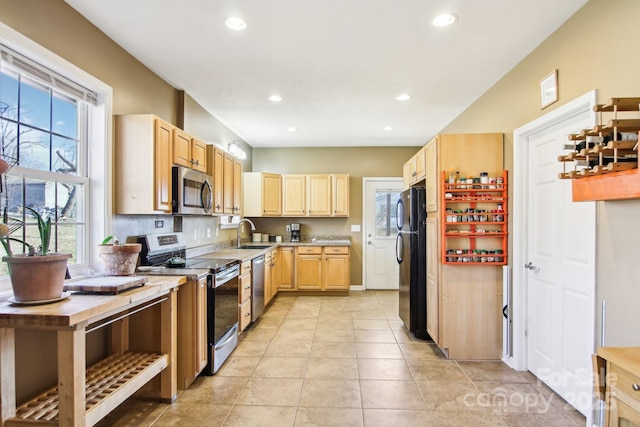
(81, 308)
(626, 357)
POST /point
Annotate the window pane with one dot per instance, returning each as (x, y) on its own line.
(8, 95)
(64, 116)
(8, 139)
(68, 202)
(67, 238)
(65, 155)
(386, 205)
(34, 148)
(35, 105)
(14, 196)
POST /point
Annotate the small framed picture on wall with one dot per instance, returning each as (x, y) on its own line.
(549, 89)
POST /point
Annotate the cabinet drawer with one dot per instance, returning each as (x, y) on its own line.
(245, 315)
(310, 250)
(336, 250)
(245, 268)
(625, 381)
(245, 288)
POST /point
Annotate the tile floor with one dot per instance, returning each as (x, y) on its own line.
(346, 361)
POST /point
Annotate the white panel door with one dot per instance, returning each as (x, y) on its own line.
(560, 257)
(380, 265)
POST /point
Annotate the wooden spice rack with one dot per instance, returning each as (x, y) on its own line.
(598, 151)
(482, 240)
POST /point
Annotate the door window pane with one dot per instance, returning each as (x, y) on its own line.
(386, 205)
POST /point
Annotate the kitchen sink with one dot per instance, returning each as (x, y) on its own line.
(255, 247)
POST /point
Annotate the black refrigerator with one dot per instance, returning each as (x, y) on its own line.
(411, 254)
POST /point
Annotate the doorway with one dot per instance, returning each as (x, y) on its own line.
(380, 268)
(554, 259)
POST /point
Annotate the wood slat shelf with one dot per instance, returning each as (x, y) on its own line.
(108, 384)
(618, 104)
(612, 186)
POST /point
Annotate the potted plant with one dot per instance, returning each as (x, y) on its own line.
(119, 259)
(38, 275)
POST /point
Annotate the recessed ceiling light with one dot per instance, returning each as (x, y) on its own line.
(444, 20)
(236, 23)
(403, 97)
(275, 98)
(387, 128)
(292, 129)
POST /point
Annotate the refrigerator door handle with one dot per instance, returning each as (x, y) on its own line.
(399, 247)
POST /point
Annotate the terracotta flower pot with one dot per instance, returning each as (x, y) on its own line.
(120, 260)
(37, 278)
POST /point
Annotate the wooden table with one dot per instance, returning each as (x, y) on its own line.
(84, 396)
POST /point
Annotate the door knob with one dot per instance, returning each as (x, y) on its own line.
(531, 266)
(369, 242)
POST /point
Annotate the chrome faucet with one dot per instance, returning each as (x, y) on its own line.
(253, 227)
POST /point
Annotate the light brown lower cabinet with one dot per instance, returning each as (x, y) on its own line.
(244, 296)
(320, 268)
(192, 331)
(618, 383)
(268, 277)
(287, 262)
(276, 271)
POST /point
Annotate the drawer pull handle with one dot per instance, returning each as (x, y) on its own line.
(635, 387)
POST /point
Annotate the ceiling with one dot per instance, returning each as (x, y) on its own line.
(337, 64)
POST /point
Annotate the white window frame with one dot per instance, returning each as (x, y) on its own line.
(99, 147)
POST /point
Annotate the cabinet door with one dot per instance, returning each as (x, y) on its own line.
(293, 195)
(268, 264)
(406, 175)
(433, 294)
(276, 272)
(227, 182)
(319, 195)
(340, 195)
(181, 148)
(432, 176)
(622, 415)
(237, 187)
(215, 168)
(271, 194)
(419, 165)
(245, 287)
(199, 155)
(336, 269)
(309, 270)
(286, 268)
(162, 167)
(201, 326)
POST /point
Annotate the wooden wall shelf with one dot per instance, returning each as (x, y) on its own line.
(613, 186)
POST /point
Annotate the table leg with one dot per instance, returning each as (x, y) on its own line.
(7, 374)
(168, 345)
(71, 377)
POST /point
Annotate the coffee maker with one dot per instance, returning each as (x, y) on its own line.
(295, 232)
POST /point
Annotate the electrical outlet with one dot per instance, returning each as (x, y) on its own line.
(208, 232)
(159, 223)
(287, 227)
(195, 234)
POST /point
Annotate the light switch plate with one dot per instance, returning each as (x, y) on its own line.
(355, 227)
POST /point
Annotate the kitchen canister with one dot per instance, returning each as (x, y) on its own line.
(265, 237)
(256, 237)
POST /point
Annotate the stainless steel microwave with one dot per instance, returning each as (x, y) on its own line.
(192, 193)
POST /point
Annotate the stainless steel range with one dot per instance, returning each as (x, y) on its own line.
(222, 291)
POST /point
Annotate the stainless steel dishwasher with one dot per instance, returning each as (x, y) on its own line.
(257, 287)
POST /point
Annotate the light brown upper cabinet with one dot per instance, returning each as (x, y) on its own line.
(340, 183)
(232, 185)
(294, 202)
(262, 194)
(189, 152)
(142, 163)
(215, 168)
(226, 171)
(414, 170)
(319, 195)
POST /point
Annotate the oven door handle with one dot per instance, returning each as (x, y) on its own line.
(226, 275)
(222, 344)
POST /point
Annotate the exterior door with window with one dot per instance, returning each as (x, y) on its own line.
(381, 267)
